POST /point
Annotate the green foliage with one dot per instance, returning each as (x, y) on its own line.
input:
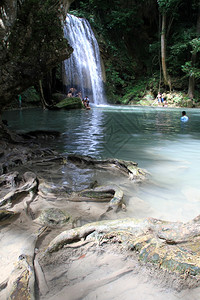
(134, 93)
(189, 67)
(191, 70)
(30, 96)
(179, 99)
(129, 37)
(166, 6)
(195, 43)
(179, 50)
(114, 76)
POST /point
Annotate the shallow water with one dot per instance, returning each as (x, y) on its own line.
(153, 137)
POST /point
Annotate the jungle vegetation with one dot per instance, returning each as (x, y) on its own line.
(146, 45)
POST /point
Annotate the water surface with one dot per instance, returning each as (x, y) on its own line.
(153, 137)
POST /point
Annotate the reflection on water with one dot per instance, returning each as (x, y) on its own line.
(153, 137)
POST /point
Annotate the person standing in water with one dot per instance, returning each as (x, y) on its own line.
(184, 118)
(20, 101)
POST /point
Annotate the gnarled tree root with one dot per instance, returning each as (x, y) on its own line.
(21, 282)
(127, 167)
(112, 194)
(102, 227)
(149, 238)
(29, 185)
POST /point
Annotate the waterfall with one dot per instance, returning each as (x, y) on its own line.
(82, 70)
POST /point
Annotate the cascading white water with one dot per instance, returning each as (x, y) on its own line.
(83, 69)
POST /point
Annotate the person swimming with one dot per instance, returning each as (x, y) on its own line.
(184, 118)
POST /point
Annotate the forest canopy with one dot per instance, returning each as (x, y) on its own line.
(152, 43)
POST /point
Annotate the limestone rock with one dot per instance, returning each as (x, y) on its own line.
(26, 51)
(70, 103)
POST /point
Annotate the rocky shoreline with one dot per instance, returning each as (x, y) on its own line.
(45, 223)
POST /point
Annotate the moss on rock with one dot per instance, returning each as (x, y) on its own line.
(70, 103)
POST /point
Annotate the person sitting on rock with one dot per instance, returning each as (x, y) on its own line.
(79, 95)
(69, 95)
(87, 101)
(72, 91)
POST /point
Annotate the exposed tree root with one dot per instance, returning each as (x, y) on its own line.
(112, 194)
(171, 246)
(41, 281)
(21, 283)
(127, 167)
(29, 186)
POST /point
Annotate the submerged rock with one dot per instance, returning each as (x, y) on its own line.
(53, 217)
(41, 134)
(129, 168)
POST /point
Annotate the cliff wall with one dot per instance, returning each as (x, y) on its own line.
(31, 43)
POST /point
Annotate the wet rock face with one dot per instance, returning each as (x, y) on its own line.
(33, 44)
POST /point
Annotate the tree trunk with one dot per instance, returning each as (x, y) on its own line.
(44, 104)
(191, 85)
(163, 52)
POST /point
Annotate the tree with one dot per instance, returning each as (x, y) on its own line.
(166, 8)
(196, 47)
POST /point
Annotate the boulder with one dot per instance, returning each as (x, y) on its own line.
(70, 103)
